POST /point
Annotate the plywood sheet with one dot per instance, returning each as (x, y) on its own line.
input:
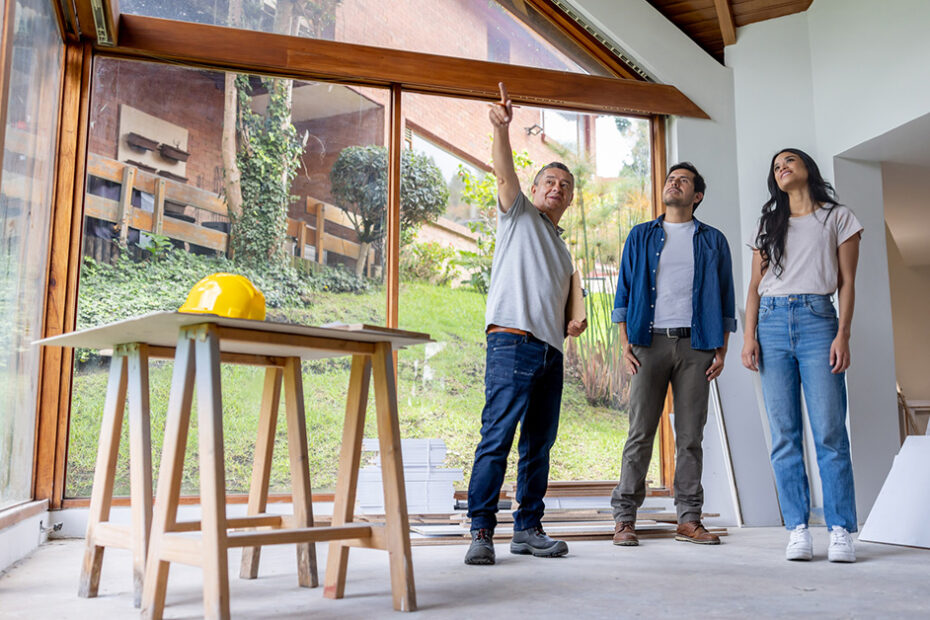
(161, 329)
(899, 515)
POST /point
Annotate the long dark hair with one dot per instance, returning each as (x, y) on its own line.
(773, 225)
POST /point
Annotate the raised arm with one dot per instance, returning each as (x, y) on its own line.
(508, 185)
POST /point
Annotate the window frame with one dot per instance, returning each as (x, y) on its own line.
(225, 49)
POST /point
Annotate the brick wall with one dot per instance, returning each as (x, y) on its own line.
(189, 98)
(193, 98)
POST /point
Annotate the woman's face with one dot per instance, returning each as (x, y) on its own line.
(790, 171)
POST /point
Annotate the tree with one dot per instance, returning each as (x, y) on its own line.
(261, 152)
(639, 168)
(359, 186)
(267, 160)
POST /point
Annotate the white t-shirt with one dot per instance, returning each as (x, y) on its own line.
(675, 276)
(810, 263)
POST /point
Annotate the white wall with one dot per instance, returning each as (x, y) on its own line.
(910, 299)
(21, 539)
(672, 58)
(826, 81)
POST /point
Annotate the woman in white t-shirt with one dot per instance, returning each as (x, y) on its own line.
(805, 249)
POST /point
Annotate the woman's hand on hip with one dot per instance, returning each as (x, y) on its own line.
(839, 354)
(751, 354)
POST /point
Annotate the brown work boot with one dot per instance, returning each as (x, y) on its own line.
(625, 534)
(694, 531)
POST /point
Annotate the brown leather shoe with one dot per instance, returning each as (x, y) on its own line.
(625, 534)
(695, 532)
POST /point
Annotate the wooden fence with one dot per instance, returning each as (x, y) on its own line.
(195, 217)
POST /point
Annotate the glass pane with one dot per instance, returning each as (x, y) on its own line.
(157, 146)
(445, 269)
(25, 211)
(505, 31)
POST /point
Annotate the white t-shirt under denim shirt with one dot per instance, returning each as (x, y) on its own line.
(810, 264)
(675, 276)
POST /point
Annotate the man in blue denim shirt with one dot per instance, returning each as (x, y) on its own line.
(526, 326)
(675, 308)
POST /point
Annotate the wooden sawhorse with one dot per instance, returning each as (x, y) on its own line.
(197, 361)
(129, 373)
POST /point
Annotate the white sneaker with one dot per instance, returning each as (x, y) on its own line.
(800, 544)
(841, 546)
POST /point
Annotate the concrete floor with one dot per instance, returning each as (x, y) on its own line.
(745, 577)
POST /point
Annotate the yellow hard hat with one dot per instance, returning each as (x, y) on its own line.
(226, 294)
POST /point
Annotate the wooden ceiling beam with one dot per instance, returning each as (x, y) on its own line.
(257, 52)
(725, 19)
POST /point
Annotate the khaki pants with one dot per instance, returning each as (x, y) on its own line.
(667, 361)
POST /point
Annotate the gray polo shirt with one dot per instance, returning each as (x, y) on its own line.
(530, 275)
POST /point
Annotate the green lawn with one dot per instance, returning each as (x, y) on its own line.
(441, 396)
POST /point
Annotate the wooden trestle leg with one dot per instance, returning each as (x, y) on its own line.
(261, 468)
(102, 494)
(392, 472)
(349, 459)
(129, 381)
(212, 475)
(307, 575)
(169, 480)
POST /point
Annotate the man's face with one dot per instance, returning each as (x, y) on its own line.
(679, 189)
(553, 191)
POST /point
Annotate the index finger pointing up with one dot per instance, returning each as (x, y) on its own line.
(503, 93)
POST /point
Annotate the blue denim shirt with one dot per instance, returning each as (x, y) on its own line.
(713, 301)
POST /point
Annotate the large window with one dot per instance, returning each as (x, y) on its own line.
(25, 208)
(444, 278)
(161, 214)
(309, 218)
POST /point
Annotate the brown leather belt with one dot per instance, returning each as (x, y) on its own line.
(493, 329)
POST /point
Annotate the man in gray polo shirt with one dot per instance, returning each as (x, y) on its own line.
(526, 325)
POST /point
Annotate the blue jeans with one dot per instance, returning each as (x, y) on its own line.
(795, 333)
(523, 384)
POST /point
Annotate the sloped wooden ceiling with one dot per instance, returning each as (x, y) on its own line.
(707, 22)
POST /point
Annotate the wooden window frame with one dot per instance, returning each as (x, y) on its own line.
(225, 49)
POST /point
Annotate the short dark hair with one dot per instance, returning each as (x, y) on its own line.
(555, 164)
(699, 184)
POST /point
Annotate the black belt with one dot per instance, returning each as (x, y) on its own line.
(674, 332)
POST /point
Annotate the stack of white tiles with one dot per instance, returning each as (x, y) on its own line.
(429, 487)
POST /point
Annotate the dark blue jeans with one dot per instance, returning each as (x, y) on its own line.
(523, 384)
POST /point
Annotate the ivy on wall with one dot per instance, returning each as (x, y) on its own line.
(268, 157)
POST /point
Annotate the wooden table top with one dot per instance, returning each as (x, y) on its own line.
(161, 329)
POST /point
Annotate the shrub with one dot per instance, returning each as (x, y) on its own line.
(430, 262)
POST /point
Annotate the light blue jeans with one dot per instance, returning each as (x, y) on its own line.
(795, 333)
